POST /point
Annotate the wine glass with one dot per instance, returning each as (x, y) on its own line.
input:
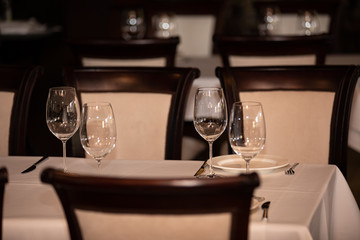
(98, 130)
(164, 25)
(63, 115)
(210, 117)
(308, 22)
(269, 20)
(247, 131)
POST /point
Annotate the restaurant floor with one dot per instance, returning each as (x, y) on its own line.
(353, 173)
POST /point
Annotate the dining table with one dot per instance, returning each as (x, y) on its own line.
(314, 203)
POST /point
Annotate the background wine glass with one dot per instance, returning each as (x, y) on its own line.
(63, 115)
(164, 25)
(210, 117)
(269, 20)
(97, 130)
(308, 22)
(247, 131)
(133, 25)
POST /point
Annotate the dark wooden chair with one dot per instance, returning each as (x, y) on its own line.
(16, 88)
(135, 52)
(148, 103)
(3, 181)
(272, 50)
(307, 108)
(88, 199)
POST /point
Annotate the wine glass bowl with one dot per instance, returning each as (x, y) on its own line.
(97, 130)
(210, 117)
(62, 114)
(247, 131)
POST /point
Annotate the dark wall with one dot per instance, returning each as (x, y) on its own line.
(349, 29)
(45, 11)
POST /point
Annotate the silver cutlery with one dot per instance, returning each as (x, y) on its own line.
(291, 171)
(32, 167)
(265, 208)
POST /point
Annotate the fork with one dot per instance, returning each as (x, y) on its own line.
(291, 171)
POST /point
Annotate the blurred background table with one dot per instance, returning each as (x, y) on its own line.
(312, 204)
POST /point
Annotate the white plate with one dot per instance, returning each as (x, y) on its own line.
(261, 163)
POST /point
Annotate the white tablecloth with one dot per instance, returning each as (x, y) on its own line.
(315, 203)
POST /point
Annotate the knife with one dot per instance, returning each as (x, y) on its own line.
(201, 169)
(265, 207)
(32, 167)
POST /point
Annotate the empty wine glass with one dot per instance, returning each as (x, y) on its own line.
(247, 131)
(308, 22)
(210, 117)
(63, 115)
(269, 20)
(97, 130)
(164, 25)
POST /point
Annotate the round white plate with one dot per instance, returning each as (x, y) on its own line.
(261, 163)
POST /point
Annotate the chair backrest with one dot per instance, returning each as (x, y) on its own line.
(3, 181)
(123, 208)
(16, 87)
(148, 105)
(272, 50)
(149, 52)
(307, 108)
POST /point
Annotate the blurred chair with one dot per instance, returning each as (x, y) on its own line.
(187, 208)
(272, 50)
(16, 88)
(3, 181)
(301, 104)
(149, 52)
(149, 105)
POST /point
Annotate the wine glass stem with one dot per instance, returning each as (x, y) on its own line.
(64, 155)
(211, 171)
(98, 165)
(247, 166)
